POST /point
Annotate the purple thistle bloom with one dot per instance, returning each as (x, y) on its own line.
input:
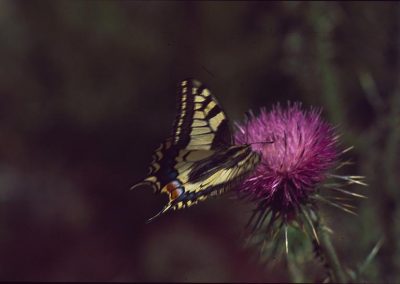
(303, 149)
(299, 155)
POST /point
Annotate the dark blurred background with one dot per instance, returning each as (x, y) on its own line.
(87, 92)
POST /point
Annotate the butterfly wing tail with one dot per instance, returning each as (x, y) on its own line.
(148, 181)
(167, 208)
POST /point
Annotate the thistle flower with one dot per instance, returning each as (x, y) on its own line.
(300, 160)
(303, 148)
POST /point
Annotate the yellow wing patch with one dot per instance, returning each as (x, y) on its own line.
(199, 118)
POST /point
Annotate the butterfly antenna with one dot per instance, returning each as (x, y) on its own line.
(262, 142)
(248, 115)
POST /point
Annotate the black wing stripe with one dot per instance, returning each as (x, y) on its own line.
(199, 116)
(228, 158)
(222, 136)
(213, 112)
(185, 112)
(223, 177)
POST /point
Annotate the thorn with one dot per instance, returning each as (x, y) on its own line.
(348, 205)
(247, 240)
(266, 213)
(263, 247)
(350, 179)
(331, 184)
(311, 224)
(371, 255)
(286, 240)
(319, 197)
(344, 163)
(329, 230)
(339, 198)
(348, 149)
(348, 192)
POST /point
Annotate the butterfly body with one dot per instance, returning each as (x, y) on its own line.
(199, 159)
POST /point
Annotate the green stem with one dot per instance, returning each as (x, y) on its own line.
(295, 272)
(329, 254)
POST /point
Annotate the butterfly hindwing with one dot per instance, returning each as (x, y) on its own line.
(220, 172)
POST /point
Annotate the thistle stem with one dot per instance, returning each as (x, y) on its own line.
(329, 253)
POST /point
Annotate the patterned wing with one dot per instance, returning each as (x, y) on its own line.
(199, 174)
(214, 175)
(200, 124)
(170, 164)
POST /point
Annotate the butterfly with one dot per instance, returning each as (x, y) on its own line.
(199, 159)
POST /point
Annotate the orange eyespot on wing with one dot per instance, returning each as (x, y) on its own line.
(174, 189)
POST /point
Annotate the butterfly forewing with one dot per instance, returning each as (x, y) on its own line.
(200, 124)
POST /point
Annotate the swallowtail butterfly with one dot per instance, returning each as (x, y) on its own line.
(199, 159)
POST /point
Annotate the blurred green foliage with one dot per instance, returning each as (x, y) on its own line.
(87, 91)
